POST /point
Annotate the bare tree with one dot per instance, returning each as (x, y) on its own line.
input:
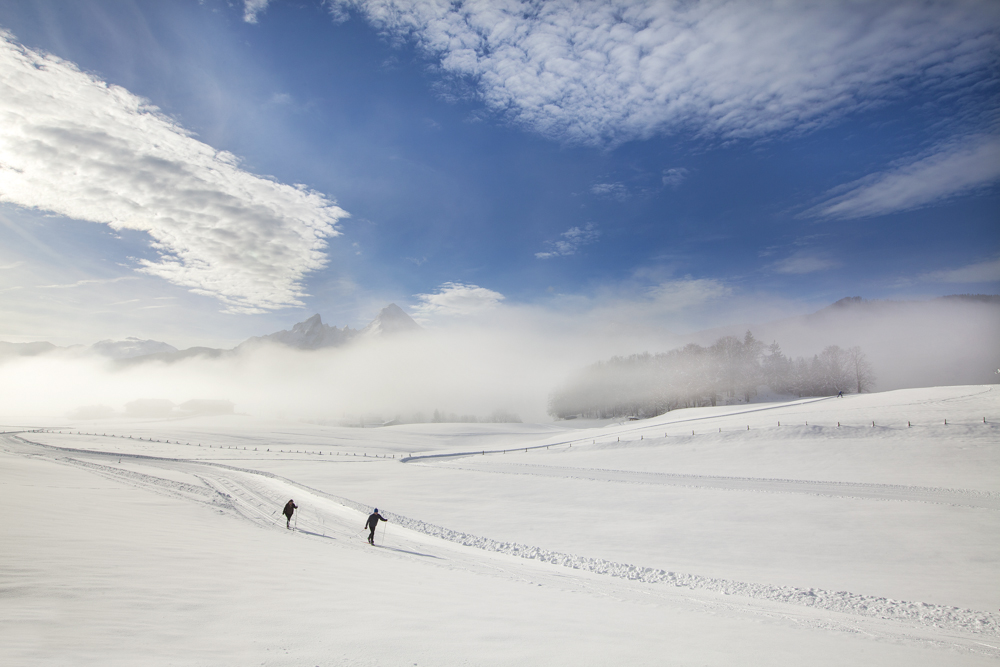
(836, 370)
(645, 385)
(750, 375)
(861, 369)
(727, 352)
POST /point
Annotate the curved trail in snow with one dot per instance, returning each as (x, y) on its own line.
(256, 496)
(861, 490)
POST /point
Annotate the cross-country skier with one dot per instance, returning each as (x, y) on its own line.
(289, 510)
(372, 524)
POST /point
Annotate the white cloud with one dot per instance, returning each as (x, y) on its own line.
(607, 71)
(456, 299)
(801, 263)
(615, 190)
(253, 7)
(953, 169)
(76, 146)
(90, 281)
(675, 176)
(980, 272)
(570, 242)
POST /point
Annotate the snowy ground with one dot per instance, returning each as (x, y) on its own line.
(711, 536)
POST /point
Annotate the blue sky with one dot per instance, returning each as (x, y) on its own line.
(687, 165)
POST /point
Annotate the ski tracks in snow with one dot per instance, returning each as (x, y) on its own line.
(256, 496)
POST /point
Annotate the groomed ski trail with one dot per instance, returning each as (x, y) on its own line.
(255, 495)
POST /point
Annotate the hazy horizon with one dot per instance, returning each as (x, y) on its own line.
(507, 359)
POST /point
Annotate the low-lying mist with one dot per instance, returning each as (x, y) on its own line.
(945, 341)
(381, 378)
(508, 361)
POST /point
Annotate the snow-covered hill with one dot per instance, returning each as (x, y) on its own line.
(861, 530)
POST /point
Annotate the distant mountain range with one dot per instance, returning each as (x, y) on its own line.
(311, 334)
(941, 341)
(131, 347)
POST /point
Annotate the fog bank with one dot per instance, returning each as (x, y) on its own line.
(509, 360)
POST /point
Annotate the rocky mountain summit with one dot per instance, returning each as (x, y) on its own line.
(390, 321)
(312, 334)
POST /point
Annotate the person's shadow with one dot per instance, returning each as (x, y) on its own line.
(402, 551)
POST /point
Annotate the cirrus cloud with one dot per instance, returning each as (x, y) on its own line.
(251, 8)
(802, 262)
(675, 176)
(608, 71)
(76, 146)
(987, 271)
(613, 190)
(570, 242)
(956, 168)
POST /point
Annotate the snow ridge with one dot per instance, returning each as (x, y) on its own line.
(938, 616)
(952, 618)
(171, 487)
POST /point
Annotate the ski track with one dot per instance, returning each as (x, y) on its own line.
(251, 495)
(866, 491)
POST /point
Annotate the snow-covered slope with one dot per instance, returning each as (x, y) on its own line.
(862, 530)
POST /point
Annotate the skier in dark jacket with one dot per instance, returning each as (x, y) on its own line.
(289, 510)
(372, 524)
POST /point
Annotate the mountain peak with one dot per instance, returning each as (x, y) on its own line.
(312, 334)
(390, 320)
(311, 326)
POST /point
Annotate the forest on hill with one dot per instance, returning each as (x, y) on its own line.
(645, 385)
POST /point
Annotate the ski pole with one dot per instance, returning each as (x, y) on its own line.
(383, 532)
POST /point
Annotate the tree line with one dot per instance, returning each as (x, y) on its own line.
(645, 385)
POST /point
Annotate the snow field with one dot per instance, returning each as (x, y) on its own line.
(812, 545)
